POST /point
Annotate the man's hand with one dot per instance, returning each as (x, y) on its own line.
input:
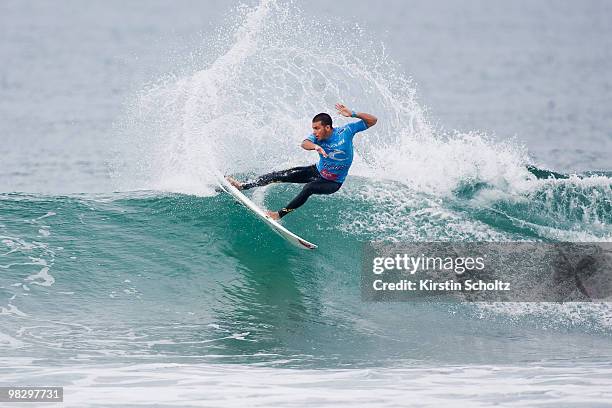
(308, 145)
(369, 119)
(343, 110)
(320, 150)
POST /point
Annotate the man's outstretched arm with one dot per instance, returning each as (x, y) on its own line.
(370, 120)
(308, 145)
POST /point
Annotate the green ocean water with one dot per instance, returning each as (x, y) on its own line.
(174, 276)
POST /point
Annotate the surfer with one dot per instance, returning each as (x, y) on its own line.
(335, 149)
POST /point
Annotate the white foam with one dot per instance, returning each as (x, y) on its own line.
(597, 315)
(9, 341)
(44, 231)
(397, 213)
(174, 384)
(46, 278)
(249, 109)
(12, 310)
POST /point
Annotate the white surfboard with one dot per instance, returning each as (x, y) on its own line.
(276, 227)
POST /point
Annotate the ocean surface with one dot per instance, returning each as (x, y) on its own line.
(128, 279)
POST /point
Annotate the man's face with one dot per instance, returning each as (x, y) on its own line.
(321, 132)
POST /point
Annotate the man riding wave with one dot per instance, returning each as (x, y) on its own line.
(335, 148)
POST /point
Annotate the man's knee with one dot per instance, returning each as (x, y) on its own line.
(322, 188)
(309, 189)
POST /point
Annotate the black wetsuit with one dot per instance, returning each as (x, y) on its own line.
(315, 184)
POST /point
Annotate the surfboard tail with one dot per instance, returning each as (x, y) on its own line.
(307, 244)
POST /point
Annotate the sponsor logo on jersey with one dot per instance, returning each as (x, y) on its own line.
(338, 155)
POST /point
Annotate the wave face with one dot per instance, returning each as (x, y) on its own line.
(174, 276)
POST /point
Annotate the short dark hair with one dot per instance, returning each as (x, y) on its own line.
(324, 118)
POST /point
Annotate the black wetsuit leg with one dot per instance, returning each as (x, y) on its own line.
(304, 174)
(315, 184)
(319, 186)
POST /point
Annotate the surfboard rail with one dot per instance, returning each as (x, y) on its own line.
(274, 225)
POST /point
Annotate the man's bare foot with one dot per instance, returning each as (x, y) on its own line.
(234, 182)
(273, 214)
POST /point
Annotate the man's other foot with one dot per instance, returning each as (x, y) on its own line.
(234, 182)
(273, 214)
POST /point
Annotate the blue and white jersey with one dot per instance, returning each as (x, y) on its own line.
(339, 149)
